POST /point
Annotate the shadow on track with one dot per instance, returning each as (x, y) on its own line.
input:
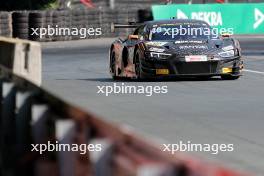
(148, 80)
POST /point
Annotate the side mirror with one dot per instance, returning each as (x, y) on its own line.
(218, 43)
(133, 37)
(225, 35)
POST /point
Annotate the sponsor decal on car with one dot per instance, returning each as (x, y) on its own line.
(188, 41)
(156, 43)
(193, 47)
(196, 58)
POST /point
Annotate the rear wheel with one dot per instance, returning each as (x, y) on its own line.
(229, 77)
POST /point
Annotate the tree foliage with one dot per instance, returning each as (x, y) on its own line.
(8, 5)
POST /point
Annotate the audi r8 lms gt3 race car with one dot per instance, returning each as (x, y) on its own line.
(182, 48)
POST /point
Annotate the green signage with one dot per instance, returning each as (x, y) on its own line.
(246, 18)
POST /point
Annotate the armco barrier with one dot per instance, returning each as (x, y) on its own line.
(22, 58)
(31, 115)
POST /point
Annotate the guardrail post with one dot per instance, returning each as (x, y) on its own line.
(8, 100)
(65, 132)
(41, 115)
(1, 133)
(101, 159)
(39, 123)
(112, 4)
(7, 127)
(23, 117)
(23, 132)
(155, 170)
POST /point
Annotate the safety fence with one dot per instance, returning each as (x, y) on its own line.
(30, 115)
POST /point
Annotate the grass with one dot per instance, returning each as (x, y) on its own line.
(50, 6)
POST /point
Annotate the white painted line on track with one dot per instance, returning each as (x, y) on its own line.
(253, 71)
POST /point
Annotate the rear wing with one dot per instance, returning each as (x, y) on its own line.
(128, 25)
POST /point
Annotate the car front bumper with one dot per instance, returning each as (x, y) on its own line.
(173, 66)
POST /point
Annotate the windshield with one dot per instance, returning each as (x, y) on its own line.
(181, 31)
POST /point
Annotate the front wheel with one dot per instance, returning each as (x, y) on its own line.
(229, 77)
(138, 69)
(113, 66)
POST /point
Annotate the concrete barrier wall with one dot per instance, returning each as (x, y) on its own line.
(22, 58)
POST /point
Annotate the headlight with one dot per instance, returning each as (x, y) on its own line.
(227, 48)
(229, 53)
(156, 49)
(159, 55)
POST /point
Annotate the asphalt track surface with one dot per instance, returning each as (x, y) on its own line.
(212, 111)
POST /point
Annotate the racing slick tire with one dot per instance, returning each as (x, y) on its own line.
(113, 65)
(229, 77)
(138, 66)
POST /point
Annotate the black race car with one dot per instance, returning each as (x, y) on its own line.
(182, 48)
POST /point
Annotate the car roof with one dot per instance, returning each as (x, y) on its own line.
(171, 21)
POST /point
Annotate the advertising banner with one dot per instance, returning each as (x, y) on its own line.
(243, 18)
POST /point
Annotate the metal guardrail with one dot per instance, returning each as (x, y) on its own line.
(31, 115)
